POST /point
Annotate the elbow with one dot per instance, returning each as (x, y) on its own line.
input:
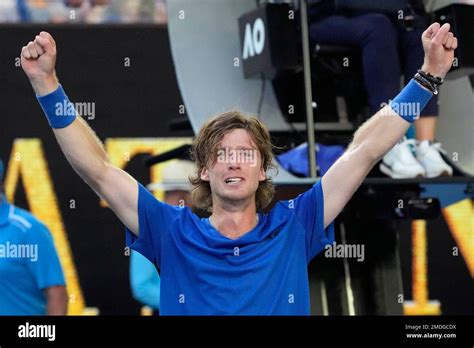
(98, 176)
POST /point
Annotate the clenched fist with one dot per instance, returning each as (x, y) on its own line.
(38, 60)
(439, 45)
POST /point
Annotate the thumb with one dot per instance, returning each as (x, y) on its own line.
(441, 34)
(431, 31)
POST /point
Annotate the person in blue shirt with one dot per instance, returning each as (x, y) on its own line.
(31, 278)
(240, 260)
(144, 277)
(145, 281)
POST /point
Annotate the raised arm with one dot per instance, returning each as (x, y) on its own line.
(80, 145)
(383, 130)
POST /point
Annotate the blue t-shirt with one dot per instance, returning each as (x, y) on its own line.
(28, 262)
(264, 272)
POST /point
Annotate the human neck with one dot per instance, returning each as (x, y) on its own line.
(234, 223)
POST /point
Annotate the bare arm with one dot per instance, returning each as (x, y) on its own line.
(85, 153)
(371, 141)
(382, 131)
(80, 145)
(56, 300)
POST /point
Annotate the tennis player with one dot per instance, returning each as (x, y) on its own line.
(240, 261)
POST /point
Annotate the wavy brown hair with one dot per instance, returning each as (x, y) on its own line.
(204, 153)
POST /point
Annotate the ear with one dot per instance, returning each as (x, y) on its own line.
(204, 174)
(262, 175)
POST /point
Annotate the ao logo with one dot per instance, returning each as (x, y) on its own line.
(254, 39)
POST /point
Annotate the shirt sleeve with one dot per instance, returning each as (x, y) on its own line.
(309, 210)
(144, 281)
(45, 265)
(154, 221)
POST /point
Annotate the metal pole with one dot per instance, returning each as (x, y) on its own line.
(308, 91)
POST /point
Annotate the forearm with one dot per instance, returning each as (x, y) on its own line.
(57, 300)
(77, 140)
(83, 150)
(86, 154)
(45, 84)
(378, 135)
(80, 145)
(371, 141)
(383, 130)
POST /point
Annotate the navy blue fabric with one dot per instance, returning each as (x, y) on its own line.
(387, 52)
(296, 160)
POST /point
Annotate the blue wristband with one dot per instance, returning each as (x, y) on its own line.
(411, 101)
(59, 111)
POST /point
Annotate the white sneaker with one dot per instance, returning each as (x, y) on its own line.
(400, 163)
(428, 155)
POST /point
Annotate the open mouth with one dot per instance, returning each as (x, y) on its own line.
(233, 181)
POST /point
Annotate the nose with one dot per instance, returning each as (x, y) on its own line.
(233, 165)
